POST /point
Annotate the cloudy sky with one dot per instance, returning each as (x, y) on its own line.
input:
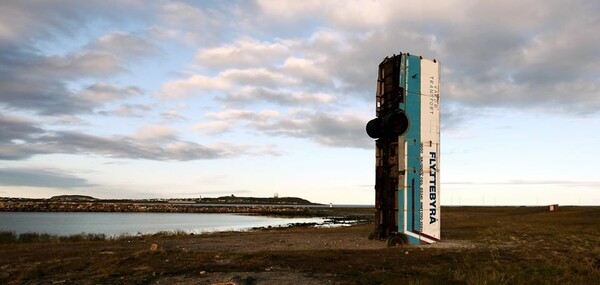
(144, 99)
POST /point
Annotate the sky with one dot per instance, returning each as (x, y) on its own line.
(168, 99)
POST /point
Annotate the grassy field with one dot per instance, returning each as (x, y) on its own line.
(481, 245)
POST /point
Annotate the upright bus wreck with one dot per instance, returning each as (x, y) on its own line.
(407, 139)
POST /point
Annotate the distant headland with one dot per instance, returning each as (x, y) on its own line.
(223, 204)
(232, 199)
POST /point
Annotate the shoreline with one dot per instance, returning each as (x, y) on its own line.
(49, 206)
(9, 235)
(483, 245)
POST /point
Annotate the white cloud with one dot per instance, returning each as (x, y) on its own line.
(21, 138)
(69, 120)
(308, 71)
(258, 76)
(165, 34)
(182, 14)
(35, 177)
(225, 121)
(171, 115)
(124, 45)
(17, 128)
(565, 54)
(127, 110)
(227, 81)
(231, 114)
(194, 85)
(287, 82)
(364, 14)
(102, 92)
(245, 52)
(525, 62)
(329, 129)
(334, 129)
(155, 133)
(289, 9)
(197, 25)
(268, 114)
(81, 64)
(276, 96)
(28, 21)
(355, 14)
(46, 84)
(214, 127)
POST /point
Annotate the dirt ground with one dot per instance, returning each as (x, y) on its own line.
(507, 245)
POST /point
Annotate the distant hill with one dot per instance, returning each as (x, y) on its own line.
(205, 200)
(72, 198)
(256, 200)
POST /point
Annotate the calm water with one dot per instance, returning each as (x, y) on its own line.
(132, 223)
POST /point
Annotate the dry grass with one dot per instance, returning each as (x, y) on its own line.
(501, 245)
(11, 237)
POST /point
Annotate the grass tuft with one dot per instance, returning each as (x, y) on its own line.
(7, 237)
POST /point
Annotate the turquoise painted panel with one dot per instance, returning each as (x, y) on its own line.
(413, 240)
(413, 140)
(410, 198)
(400, 210)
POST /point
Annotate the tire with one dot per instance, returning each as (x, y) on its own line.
(396, 123)
(397, 239)
(375, 128)
(371, 236)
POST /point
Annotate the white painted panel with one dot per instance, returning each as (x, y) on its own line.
(430, 187)
(430, 148)
(430, 101)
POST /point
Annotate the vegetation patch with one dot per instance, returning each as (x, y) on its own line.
(480, 245)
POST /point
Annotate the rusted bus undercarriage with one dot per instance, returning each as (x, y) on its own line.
(390, 123)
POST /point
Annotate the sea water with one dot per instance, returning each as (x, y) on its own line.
(112, 224)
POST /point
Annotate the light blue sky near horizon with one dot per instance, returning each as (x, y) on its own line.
(184, 99)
